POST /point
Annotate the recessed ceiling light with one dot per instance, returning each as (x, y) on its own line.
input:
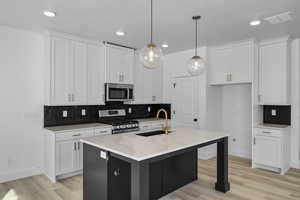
(255, 22)
(49, 13)
(165, 45)
(120, 33)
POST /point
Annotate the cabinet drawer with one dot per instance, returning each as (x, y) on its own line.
(102, 131)
(268, 132)
(78, 134)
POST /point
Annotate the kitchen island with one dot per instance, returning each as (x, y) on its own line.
(134, 167)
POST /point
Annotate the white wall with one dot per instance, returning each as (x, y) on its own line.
(21, 119)
(237, 118)
(295, 101)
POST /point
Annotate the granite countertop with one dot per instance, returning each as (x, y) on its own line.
(276, 126)
(140, 148)
(77, 126)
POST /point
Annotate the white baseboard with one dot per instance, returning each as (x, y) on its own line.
(295, 164)
(19, 174)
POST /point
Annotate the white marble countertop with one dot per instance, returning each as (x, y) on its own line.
(273, 126)
(77, 126)
(140, 148)
(150, 120)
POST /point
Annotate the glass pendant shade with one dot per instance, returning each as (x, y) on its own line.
(151, 56)
(196, 65)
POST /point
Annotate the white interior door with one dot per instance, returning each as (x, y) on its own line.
(184, 102)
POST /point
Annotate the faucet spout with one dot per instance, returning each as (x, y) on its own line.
(165, 129)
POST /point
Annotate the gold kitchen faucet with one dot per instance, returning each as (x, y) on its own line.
(165, 129)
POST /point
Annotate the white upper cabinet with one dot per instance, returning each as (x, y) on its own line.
(78, 70)
(75, 71)
(232, 64)
(274, 72)
(58, 74)
(148, 84)
(119, 64)
(96, 74)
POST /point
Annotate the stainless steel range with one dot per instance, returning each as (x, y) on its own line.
(117, 118)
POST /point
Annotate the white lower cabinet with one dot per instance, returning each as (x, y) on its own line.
(271, 149)
(64, 151)
(67, 157)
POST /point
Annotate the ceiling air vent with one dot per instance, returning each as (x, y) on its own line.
(280, 18)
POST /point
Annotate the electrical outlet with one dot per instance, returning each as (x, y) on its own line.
(103, 154)
(129, 110)
(149, 109)
(273, 112)
(83, 112)
(65, 114)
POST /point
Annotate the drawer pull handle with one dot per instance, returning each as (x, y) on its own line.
(268, 132)
(103, 131)
(76, 135)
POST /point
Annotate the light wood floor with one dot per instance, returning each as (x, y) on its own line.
(246, 183)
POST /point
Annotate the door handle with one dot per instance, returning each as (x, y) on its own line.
(78, 145)
(254, 141)
(76, 135)
(195, 120)
(74, 146)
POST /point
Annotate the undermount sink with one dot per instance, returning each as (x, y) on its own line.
(152, 133)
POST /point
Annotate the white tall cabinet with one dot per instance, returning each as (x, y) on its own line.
(75, 71)
(274, 70)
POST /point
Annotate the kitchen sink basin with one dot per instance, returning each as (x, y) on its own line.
(152, 133)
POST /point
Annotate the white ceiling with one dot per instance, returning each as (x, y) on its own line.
(223, 20)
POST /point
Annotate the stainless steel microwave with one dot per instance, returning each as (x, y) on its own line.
(118, 92)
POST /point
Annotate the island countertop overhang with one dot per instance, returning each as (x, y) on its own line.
(140, 148)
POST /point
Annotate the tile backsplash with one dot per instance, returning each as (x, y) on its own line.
(67, 115)
(277, 114)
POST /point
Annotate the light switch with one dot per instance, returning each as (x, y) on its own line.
(273, 112)
(65, 113)
(149, 109)
(129, 110)
(83, 112)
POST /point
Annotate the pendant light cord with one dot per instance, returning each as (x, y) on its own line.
(151, 21)
(196, 49)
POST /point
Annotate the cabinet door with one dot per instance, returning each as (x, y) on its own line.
(80, 156)
(273, 74)
(66, 157)
(96, 74)
(128, 60)
(79, 81)
(241, 63)
(119, 64)
(119, 179)
(157, 85)
(60, 74)
(219, 66)
(267, 151)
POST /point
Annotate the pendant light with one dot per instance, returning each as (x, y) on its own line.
(196, 64)
(151, 56)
